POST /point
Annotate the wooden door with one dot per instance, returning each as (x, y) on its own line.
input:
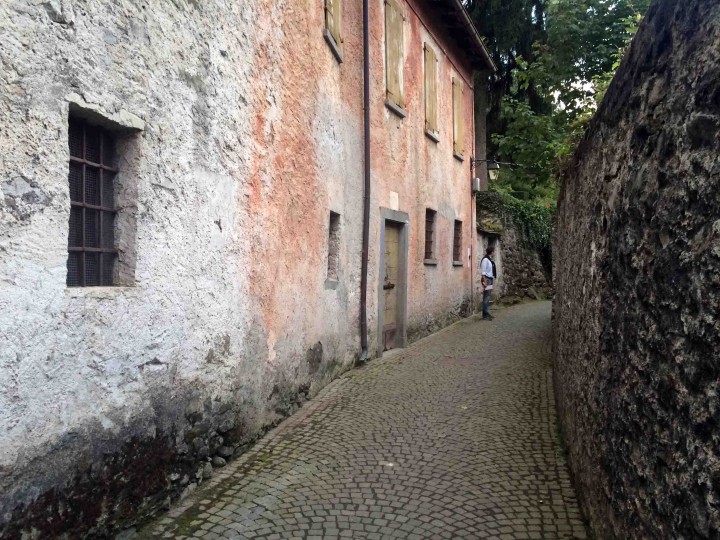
(390, 284)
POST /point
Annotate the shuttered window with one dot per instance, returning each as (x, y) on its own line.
(333, 9)
(458, 127)
(394, 52)
(431, 123)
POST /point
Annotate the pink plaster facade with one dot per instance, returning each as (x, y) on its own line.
(238, 133)
(314, 152)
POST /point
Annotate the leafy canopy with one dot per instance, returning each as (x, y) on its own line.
(556, 59)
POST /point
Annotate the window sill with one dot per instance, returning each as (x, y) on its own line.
(331, 284)
(395, 108)
(457, 263)
(333, 46)
(432, 135)
(430, 262)
(459, 157)
(100, 292)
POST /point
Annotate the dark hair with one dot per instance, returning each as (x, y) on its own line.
(490, 250)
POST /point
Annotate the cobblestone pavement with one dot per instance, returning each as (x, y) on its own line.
(454, 437)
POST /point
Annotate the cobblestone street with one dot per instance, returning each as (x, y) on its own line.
(454, 437)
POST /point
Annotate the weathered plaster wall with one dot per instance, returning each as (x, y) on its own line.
(637, 276)
(113, 400)
(422, 173)
(241, 159)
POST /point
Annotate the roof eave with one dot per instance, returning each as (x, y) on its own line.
(473, 34)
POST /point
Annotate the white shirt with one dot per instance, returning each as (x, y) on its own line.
(486, 267)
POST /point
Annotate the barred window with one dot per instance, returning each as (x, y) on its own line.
(429, 233)
(333, 268)
(457, 242)
(91, 242)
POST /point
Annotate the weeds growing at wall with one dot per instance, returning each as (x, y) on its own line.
(533, 220)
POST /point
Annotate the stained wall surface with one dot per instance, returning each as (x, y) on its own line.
(637, 277)
(239, 133)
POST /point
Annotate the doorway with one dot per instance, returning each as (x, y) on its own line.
(393, 281)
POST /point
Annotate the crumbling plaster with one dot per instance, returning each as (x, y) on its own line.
(247, 132)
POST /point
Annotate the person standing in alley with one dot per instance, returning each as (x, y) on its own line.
(489, 273)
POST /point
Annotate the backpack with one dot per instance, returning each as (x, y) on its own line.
(494, 268)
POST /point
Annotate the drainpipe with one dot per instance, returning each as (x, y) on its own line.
(473, 206)
(366, 199)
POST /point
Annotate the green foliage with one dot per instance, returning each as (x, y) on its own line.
(556, 60)
(532, 219)
(532, 140)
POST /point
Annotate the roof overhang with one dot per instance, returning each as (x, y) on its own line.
(456, 18)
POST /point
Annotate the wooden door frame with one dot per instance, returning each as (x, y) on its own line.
(402, 219)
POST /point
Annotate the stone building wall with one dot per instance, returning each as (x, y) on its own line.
(521, 272)
(238, 133)
(637, 277)
(522, 275)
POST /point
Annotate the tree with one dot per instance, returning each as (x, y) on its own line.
(555, 59)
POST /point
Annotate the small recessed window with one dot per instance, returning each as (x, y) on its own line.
(457, 243)
(91, 239)
(430, 235)
(333, 11)
(333, 264)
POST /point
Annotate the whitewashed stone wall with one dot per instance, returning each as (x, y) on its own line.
(240, 132)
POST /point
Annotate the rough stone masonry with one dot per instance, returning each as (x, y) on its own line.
(637, 275)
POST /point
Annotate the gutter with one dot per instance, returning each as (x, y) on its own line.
(366, 197)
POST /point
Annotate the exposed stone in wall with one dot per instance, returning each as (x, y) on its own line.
(422, 326)
(246, 132)
(637, 277)
(522, 274)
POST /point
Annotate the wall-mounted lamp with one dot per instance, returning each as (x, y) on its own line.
(493, 169)
(493, 166)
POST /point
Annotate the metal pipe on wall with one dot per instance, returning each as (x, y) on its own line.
(366, 197)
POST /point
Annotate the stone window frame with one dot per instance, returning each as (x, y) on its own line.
(126, 129)
(333, 28)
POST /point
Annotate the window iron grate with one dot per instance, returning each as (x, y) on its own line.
(91, 241)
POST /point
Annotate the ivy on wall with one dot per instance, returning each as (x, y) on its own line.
(531, 219)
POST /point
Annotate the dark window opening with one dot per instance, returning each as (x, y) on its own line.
(429, 233)
(457, 242)
(91, 239)
(334, 247)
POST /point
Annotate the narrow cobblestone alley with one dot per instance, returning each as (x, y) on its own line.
(453, 437)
